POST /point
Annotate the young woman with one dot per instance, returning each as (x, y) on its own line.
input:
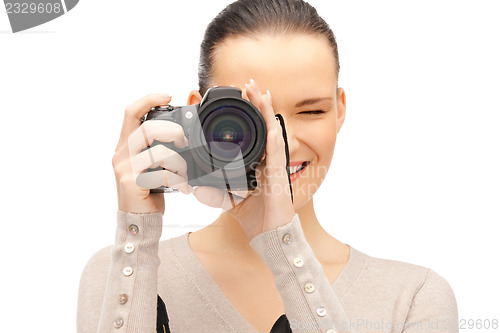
(265, 264)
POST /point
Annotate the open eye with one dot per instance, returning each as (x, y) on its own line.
(312, 112)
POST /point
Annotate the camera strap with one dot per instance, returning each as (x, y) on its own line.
(282, 123)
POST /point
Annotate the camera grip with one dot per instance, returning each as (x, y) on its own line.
(162, 189)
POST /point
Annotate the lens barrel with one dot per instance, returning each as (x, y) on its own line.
(231, 129)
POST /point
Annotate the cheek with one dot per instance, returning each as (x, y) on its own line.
(323, 146)
(327, 149)
(322, 141)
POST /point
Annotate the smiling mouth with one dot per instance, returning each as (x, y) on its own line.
(297, 168)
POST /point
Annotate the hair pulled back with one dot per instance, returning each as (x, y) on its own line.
(252, 17)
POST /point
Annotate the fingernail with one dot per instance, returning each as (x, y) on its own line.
(185, 141)
(269, 99)
(165, 96)
(190, 189)
(252, 82)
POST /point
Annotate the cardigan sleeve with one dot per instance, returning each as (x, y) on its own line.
(310, 302)
(119, 285)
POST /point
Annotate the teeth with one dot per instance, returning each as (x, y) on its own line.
(295, 168)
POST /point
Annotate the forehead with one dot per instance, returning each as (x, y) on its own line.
(279, 62)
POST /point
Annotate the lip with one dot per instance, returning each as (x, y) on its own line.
(297, 163)
(296, 175)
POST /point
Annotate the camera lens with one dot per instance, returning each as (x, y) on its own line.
(228, 135)
(229, 131)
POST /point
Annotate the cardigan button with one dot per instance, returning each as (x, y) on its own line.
(129, 248)
(133, 229)
(118, 322)
(321, 311)
(127, 271)
(309, 287)
(287, 238)
(298, 262)
(122, 298)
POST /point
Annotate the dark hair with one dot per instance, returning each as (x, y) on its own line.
(251, 17)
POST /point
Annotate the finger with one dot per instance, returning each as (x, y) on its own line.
(263, 102)
(137, 110)
(161, 130)
(276, 158)
(276, 176)
(159, 155)
(244, 94)
(253, 93)
(217, 198)
(278, 204)
(267, 111)
(154, 179)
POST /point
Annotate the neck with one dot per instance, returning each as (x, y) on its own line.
(228, 236)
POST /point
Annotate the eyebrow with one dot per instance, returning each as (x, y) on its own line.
(311, 101)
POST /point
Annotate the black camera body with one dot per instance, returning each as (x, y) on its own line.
(226, 139)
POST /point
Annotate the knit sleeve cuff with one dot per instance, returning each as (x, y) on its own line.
(308, 298)
(269, 244)
(130, 299)
(146, 228)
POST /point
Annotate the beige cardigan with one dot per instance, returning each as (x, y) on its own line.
(119, 287)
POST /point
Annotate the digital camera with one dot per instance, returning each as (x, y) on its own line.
(226, 139)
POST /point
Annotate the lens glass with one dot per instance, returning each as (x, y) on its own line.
(229, 132)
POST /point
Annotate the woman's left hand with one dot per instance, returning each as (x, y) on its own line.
(269, 205)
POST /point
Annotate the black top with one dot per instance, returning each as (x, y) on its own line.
(280, 326)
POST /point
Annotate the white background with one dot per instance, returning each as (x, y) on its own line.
(415, 176)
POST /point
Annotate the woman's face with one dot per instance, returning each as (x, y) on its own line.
(299, 71)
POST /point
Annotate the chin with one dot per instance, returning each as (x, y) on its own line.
(304, 188)
(303, 192)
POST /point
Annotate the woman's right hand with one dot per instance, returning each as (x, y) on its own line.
(130, 160)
